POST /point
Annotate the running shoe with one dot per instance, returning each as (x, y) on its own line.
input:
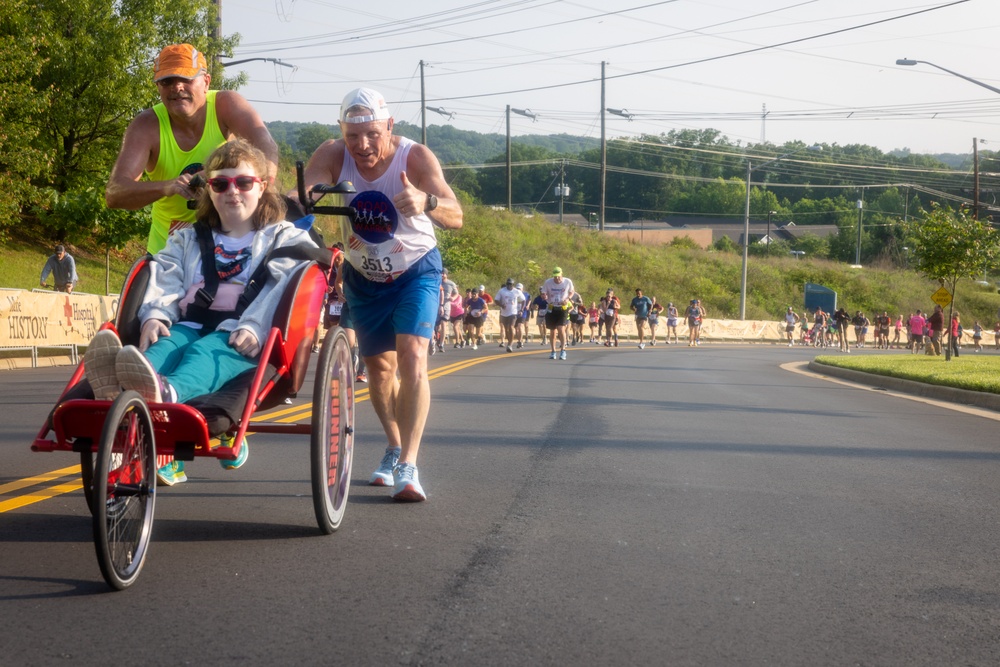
(552, 355)
(642, 346)
(172, 473)
(520, 345)
(475, 346)
(407, 484)
(383, 475)
(362, 377)
(562, 355)
(510, 349)
(99, 365)
(136, 373)
(225, 440)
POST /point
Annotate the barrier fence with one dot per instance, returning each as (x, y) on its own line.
(37, 320)
(33, 320)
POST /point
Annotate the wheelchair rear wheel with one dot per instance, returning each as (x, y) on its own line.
(332, 443)
(124, 490)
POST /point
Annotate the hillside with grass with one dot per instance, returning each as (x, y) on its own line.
(496, 244)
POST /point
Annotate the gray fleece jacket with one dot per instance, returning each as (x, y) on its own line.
(177, 268)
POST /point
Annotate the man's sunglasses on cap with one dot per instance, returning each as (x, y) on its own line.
(220, 184)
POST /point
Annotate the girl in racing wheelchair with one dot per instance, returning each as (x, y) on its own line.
(198, 333)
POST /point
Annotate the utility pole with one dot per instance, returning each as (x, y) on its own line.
(604, 154)
(975, 179)
(509, 207)
(216, 34)
(423, 107)
(562, 188)
(861, 207)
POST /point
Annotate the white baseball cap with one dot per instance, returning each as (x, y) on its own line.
(519, 286)
(367, 98)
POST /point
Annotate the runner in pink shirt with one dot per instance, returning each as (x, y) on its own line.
(917, 324)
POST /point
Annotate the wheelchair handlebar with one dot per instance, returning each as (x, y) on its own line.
(321, 189)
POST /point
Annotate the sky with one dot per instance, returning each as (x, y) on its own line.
(817, 71)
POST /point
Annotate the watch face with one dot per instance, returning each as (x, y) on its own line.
(432, 203)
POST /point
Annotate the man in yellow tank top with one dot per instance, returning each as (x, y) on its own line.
(169, 142)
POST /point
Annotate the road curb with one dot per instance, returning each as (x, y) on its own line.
(979, 399)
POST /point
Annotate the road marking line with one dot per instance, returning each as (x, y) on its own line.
(802, 368)
(39, 479)
(285, 415)
(40, 495)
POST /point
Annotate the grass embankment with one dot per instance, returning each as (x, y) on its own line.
(25, 253)
(969, 371)
(495, 244)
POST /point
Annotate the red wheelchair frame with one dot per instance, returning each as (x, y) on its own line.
(118, 441)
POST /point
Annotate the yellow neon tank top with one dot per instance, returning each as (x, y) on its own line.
(172, 212)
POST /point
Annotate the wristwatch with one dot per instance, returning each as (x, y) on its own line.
(432, 203)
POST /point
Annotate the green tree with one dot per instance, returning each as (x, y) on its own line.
(949, 245)
(91, 71)
(311, 136)
(21, 161)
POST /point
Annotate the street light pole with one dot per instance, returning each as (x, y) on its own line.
(746, 242)
(910, 63)
(769, 214)
(857, 248)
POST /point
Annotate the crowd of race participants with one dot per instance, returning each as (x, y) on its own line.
(387, 288)
(918, 331)
(525, 317)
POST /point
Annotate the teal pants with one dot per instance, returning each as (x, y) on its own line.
(194, 364)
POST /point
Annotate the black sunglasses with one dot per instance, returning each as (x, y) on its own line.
(220, 184)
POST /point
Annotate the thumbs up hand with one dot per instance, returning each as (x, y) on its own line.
(410, 201)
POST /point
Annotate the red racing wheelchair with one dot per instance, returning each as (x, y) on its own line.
(118, 441)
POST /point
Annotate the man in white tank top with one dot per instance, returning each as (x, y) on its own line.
(392, 276)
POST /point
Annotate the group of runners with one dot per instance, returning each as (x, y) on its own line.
(560, 314)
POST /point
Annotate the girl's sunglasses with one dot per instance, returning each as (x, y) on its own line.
(220, 184)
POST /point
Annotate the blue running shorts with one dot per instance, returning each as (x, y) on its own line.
(407, 305)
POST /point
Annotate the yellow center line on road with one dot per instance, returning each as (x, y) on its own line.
(39, 479)
(40, 495)
(284, 415)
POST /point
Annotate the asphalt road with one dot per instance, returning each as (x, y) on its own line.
(670, 506)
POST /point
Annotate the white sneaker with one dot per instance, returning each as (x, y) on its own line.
(136, 373)
(407, 484)
(99, 365)
(383, 474)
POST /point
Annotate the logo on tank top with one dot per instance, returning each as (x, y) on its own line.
(377, 218)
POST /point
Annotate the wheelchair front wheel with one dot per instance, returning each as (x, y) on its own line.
(124, 490)
(87, 477)
(332, 443)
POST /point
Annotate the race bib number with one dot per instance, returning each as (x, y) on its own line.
(611, 312)
(336, 308)
(373, 266)
(476, 312)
